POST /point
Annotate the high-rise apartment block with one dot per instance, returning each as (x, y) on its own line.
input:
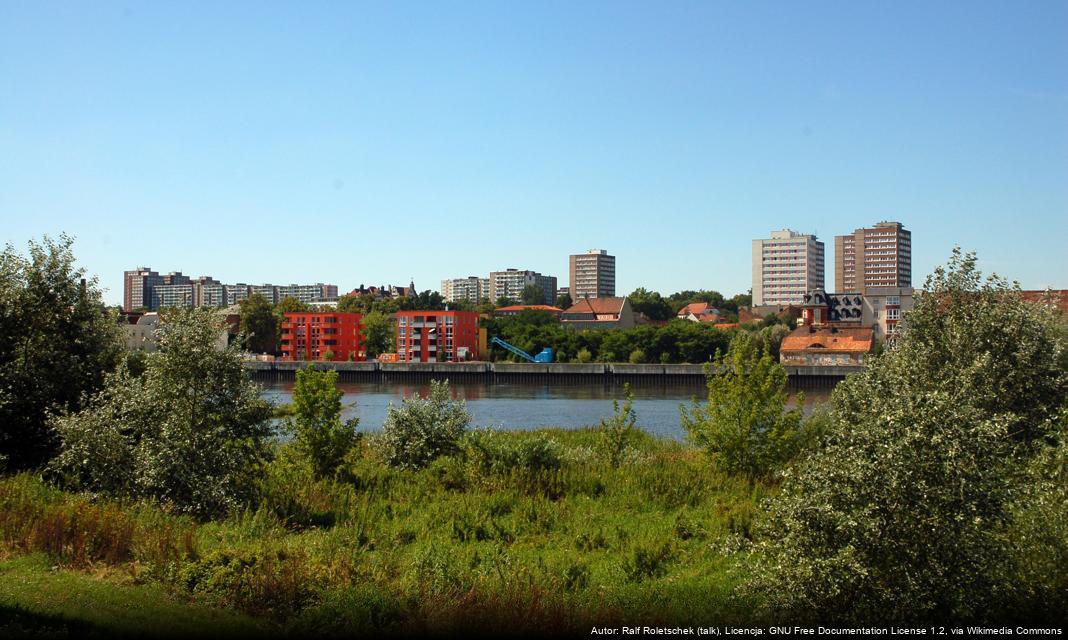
(880, 256)
(511, 282)
(592, 275)
(470, 289)
(785, 267)
(144, 288)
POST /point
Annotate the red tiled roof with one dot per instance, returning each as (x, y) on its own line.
(598, 306)
(829, 339)
(696, 308)
(537, 307)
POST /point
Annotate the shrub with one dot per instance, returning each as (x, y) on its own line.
(618, 430)
(744, 427)
(421, 430)
(648, 562)
(191, 431)
(904, 512)
(320, 435)
(637, 356)
(584, 356)
(491, 452)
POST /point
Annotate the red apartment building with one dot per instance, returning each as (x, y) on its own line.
(310, 336)
(437, 336)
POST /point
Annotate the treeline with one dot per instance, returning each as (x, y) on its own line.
(677, 341)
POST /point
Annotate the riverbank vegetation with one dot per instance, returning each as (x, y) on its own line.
(932, 490)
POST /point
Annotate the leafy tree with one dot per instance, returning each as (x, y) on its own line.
(564, 301)
(532, 294)
(903, 512)
(504, 301)
(56, 346)
(259, 324)
(651, 304)
(584, 356)
(637, 356)
(421, 430)
(191, 431)
(319, 434)
(745, 426)
(378, 332)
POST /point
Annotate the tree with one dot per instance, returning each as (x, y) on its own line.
(745, 426)
(564, 301)
(532, 294)
(259, 324)
(421, 430)
(651, 304)
(903, 512)
(191, 431)
(319, 434)
(56, 346)
(378, 333)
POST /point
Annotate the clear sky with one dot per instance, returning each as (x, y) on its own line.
(371, 143)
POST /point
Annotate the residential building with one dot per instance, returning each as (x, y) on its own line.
(137, 288)
(144, 288)
(884, 308)
(592, 275)
(323, 335)
(811, 345)
(599, 313)
(308, 293)
(880, 256)
(699, 312)
(516, 309)
(437, 336)
(511, 282)
(470, 289)
(785, 267)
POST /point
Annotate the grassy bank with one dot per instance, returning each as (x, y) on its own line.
(522, 531)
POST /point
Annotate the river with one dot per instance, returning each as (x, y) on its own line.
(526, 406)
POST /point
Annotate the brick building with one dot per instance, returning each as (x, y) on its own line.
(312, 336)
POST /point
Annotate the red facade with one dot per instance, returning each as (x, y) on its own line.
(437, 336)
(313, 336)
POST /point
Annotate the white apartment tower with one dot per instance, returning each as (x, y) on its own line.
(785, 267)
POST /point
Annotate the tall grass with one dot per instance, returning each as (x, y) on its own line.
(518, 531)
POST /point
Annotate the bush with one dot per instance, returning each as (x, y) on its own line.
(619, 430)
(745, 427)
(191, 431)
(637, 356)
(904, 513)
(421, 430)
(320, 435)
(584, 356)
(492, 452)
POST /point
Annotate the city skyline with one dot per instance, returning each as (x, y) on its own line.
(203, 137)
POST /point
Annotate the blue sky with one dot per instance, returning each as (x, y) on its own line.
(371, 143)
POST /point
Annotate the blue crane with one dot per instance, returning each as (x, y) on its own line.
(546, 354)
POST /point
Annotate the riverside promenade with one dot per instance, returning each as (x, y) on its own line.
(521, 372)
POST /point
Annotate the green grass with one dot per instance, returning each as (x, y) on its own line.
(463, 544)
(39, 599)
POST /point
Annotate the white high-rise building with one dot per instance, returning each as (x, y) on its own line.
(472, 289)
(785, 267)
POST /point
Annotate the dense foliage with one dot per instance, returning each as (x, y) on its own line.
(745, 426)
(905, 512)
(259, 325)
(677, 341)
(421, 430)
(191, 431)
(378, 333)
(56, 345)
(320, 436)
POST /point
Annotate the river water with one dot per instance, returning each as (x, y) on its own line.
(526, 406)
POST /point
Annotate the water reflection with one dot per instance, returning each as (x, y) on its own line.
(524, 406)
